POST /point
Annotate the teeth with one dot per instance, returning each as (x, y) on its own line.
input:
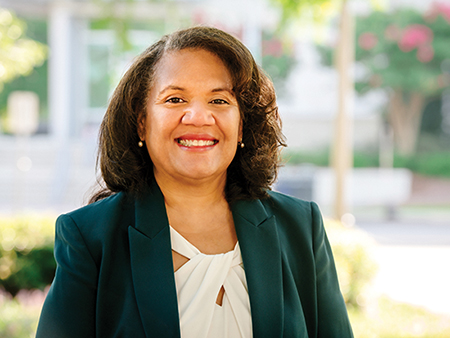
(195, 143)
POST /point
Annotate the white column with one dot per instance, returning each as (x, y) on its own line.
(60, 95)
(59, 70)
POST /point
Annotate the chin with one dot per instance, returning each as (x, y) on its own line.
(204, 172)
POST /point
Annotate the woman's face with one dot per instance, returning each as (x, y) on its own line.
(192, 123)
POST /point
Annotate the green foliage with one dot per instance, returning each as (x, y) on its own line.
(426, 163)
(429, 163)
(355, 266)
(18, 54)
(295, 9)
(26, 253)
(319, 158)
(36, 81)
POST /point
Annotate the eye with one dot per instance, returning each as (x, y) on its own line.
(174, 100)
(219, 101)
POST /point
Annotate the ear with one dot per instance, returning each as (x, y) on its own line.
(141, 125)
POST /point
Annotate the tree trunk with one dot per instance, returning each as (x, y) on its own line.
(342, 147)
(405, 116)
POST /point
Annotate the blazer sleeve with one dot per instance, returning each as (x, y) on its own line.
(69, 309)
(332, 313)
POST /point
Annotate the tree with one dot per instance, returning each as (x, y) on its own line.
(18, 54)
(406, 54)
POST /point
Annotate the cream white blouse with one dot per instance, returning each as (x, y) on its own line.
(198, 283)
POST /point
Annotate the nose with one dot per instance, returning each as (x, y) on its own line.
(198, 114)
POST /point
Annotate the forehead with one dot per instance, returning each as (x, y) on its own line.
(199, 62)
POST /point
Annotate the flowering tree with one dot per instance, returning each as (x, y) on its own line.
(18, 54)
(407, 54)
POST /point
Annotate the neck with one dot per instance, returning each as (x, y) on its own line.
(199, 211)
(193, 200)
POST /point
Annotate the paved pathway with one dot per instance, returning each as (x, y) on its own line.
(414, 262)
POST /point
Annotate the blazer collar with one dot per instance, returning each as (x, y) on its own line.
(152, 267)
(261, 254)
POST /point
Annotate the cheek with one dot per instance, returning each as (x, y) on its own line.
(153, 125)
(234, 123)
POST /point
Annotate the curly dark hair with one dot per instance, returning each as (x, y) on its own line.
(126, 167)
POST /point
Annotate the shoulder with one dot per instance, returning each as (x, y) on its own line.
(280, 203)
(101, 210)
(95, 221)
(295, 217)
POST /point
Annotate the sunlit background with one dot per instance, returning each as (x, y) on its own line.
(363, 90)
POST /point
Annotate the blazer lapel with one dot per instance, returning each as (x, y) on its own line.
(261, 254)
(152, 267)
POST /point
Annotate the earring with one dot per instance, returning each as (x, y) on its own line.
(242, 144)
(140, 144)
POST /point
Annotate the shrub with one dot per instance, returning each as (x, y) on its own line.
(26, 252)
(428, 163)
(355, 266)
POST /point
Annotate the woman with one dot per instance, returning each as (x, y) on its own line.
(187, 238)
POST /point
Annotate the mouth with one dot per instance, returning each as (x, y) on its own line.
(196, 143)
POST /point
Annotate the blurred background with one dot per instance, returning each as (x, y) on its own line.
(363, 90)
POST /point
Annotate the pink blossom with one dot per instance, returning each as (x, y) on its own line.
(414, 36)
(438, 8)
(367, 41)
(425, 53)
(445, 11)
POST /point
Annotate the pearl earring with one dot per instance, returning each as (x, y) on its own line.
(242, 144)
(140, 144)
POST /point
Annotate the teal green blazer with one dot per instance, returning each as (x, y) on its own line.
(115, 273)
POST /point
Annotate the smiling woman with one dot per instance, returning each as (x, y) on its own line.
(186, 239)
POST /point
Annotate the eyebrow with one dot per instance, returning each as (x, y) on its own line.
(215, 90)
(170, 87)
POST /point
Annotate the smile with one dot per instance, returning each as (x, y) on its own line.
(196, 143)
